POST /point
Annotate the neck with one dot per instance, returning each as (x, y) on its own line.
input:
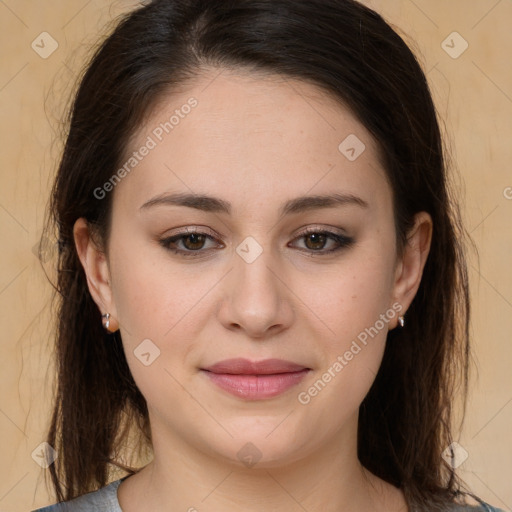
(180, 477)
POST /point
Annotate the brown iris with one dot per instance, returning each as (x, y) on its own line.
(197, 241)
(318, 240)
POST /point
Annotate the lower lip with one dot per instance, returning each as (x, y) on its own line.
(256, 387)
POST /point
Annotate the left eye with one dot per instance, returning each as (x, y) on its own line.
(315, 241)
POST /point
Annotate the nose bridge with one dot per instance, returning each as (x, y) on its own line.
(256, 299)
(255, 285)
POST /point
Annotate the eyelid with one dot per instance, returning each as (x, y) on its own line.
(321, 229)
(343, 240)
(174, 237)
(187, 230)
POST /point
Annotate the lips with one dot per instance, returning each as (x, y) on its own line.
(255, 380)
(241, 366)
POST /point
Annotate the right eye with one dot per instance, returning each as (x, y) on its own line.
(192, 243)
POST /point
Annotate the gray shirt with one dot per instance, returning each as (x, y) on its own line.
(102, 500)
(105, 500)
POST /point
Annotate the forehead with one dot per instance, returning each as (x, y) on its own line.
(235, 134)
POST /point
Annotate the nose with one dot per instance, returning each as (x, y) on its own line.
(256, 298)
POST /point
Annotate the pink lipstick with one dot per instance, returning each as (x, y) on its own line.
(256, 380)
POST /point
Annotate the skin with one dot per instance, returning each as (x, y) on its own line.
(254, 142)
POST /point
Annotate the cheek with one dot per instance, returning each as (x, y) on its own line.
(150, 295)
(161, 309)
(351, 298)
(356, 308)
(153, 308)
(353, 304)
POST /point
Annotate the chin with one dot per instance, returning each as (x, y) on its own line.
(256, 449)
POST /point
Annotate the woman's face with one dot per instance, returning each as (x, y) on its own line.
(257, 223)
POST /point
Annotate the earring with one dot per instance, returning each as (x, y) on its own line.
(401, 320)
(106, 320)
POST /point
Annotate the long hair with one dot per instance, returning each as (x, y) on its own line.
(353, 55)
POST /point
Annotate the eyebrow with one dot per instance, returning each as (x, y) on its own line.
(216, 205)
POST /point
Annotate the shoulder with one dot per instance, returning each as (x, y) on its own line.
(102, 500)
(481, 507)
(484, 507)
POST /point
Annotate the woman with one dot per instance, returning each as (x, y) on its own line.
(261, 269)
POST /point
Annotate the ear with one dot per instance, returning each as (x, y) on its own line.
(94, 262)
(409, 269)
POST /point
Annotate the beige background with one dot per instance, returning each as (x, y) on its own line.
(474, 97)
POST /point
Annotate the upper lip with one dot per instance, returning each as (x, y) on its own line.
(240, 366)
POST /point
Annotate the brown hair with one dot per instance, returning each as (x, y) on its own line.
(351, 53)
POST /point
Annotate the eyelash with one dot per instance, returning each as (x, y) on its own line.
(342, 241)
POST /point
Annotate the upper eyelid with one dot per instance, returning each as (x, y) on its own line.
(302, 233)
(203, 230)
